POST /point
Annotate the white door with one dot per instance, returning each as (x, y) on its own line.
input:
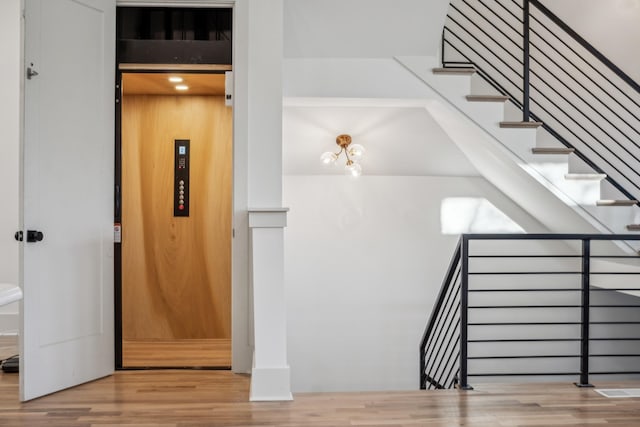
(67, 177)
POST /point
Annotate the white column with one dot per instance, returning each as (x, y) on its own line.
(270, 376)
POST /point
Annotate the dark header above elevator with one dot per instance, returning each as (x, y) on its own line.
(174, 35)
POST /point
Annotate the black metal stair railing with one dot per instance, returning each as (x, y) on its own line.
(534, 305)
(554, 76)
(440, 345)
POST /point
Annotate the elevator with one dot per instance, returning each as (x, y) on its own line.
(173, 218)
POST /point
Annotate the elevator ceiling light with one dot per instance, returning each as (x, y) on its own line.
(182, 87)
(353, 153)
(176, 79)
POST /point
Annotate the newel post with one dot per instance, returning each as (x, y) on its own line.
(526, 59)
(585, 320)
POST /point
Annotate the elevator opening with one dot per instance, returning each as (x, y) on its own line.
(173, 188)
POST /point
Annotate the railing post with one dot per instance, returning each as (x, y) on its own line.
(442, 48)
(525, 73)
(585, 307)
(464, 307)
(423, 378)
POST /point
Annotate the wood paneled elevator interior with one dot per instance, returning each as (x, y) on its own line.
(174, 195)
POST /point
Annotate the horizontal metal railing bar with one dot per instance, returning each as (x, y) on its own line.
(494, 13)
(528, 340)
(614, 355)
(509, 10)
(615, 339)
(516, 4)
(585, 44)
(593, 108)
(614, 372)
(525, 323)
(499, 273)
(615, 306)
(499, 58)
(614, 273)
(613, 289)
(432, 381)
(442, 296)
(616, 256)
(585, 116)
(588, 132)
(606, 273)
(578, 123)
(582, 156)
(445, 319)
(551, 323)
(573, 77)
(552, 131)
(585, 61)
(545, 125)
(555, 236)
(504, 91)
(542, 356)
(528, 374)
(615, 323)
(458, 63)
(518, 46)
(524, 306)
(525, 256)
(528, 290)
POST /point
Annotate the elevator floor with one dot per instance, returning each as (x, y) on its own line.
(185, 353)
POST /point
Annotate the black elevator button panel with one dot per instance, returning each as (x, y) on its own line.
(181, 178)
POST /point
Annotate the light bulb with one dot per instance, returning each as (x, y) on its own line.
(356, 151)
(354, 169)
(328, 158)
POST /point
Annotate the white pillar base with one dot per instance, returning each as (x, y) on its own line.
(270, 384)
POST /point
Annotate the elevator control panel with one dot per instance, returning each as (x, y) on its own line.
(181, 178)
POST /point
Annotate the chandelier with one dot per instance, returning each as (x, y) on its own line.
(352, 152)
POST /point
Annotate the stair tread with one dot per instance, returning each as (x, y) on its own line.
(623, 202)
(454, 70)
(552, 150)
(525, 125)
(585, 176)
(487, 98)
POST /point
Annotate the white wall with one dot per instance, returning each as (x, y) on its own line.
(10, 66)
(362, 28)
(611, 26)
(365, 259)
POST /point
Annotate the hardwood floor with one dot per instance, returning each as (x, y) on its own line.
(219, 398)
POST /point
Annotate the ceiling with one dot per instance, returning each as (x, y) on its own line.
(159, 84)
(400, 140)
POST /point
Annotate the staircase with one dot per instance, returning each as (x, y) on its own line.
(576, 133)
(520, 90)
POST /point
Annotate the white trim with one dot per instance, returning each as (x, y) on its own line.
(174, 67)
(270, 384)
(241, 312)
(268, 217)
(176, 3)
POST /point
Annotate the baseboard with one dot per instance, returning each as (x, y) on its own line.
(9, 323)
(270, 384)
